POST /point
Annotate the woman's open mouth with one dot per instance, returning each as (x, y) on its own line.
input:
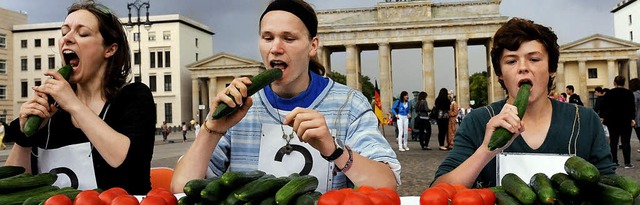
(71, 58)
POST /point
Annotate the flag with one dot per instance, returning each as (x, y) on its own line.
(378, 105)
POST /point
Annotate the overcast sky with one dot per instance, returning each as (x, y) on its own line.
(235, 24)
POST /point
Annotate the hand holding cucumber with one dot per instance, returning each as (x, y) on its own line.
(501, 136)
(33, 122)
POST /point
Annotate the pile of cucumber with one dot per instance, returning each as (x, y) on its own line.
(582, 185)
(253, 187)
(18, 187)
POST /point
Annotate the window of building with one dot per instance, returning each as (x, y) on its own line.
(167, 82)
(152, 83)
(160, 59)
(37, 43)
(3, 66)
(52, 42)
(24, 87)
(3, 117)
(631, 35)
(168, 113)
(23, 44)
(136, 36)
(136, 58)
(196, 42)
(3, 92)
(23, 64)
(52, 62)
(37, 61)
(3, 40)
(37, 82)
(152, 59)
(630, 20)
(196, 56)
(152, 36)
(167, 59)
(166, 35)
(137, 78)
(593, 73)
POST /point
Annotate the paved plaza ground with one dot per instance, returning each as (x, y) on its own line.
(418, 166)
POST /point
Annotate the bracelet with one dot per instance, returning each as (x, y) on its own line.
(211, 131)
(347, 166)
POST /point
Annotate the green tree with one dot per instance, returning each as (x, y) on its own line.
(367, 87)
(478, 89)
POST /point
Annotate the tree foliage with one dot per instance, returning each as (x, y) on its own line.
(478, 89)
(367, 87)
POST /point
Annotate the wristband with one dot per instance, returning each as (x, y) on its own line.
(347, 166)
(210, 131)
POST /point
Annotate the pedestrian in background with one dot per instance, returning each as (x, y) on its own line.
(422, 121)
(597, 106)
(453, 120)
(165, 131)
(196, 127)
(573, 97)
(443, 105)
(634, 86)
(402, 110)
(184, 132)
(619, 112)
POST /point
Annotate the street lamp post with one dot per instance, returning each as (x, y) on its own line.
(147, 24)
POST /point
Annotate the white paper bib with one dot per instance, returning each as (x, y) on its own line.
(73, 164)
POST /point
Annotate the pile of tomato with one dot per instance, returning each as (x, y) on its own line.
(115, 196)
(364, 195)
(442, 193)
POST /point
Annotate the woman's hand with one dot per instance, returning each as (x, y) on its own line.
(58, 88)
(508, 119)
(38, 106)
(311, 127)
(238, 89)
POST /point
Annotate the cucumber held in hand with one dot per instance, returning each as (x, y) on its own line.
(257, 82)
(501, 136)
(33, 122)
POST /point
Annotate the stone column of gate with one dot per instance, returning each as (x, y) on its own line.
(462, 66)
(352, 66)
(195, 95)
(612, 72)
(633, 68)
(494, 90)
(428, 80)
(213, 87)
(324, 56)
(384, 61)
(560, 79)
(582, 82)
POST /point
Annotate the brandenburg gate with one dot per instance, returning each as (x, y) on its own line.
(412, 24)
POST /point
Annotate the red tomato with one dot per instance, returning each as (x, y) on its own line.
(108, 195)
(487, 195)
(118, 190)
(59, 199)
(157, 189)
(459, 187)
(365, 189)
(153, 200)
(449, 188)
(357, 198)
(333, 197)
(166, 195)
(393, 194)
(434, 196)
(125, 200)
(379, 198)
(88, 197)
(467, 197)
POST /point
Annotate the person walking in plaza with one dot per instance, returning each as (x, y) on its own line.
(573, 97)
(597, 105)
(634, 86)
(102, 127)
(303, 111)
(2, 127)
(184, 132)
(619, 113)
(524, 52)
(412, 120)
(443, 104)
(453, 120)
(422, 121)
(196, 128)
(402, 110)
(164, 128)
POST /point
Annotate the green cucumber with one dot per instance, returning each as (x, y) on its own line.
(17, 183)
(503, 198)
(519, 189)
(308, 198)
(257, 82)
(501, 136)
(565, 185)
(214, 191)
(624, 182)
(40, 198)
(581, 170)
(612, 195)
(296, 187)
(21, 196)
(9, 171)
(193, 187)
(260, 188)
(235, 180)
(33, 122)
(268, 201)
(186, 200)
(541, 185)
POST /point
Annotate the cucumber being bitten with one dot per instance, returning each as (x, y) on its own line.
(33, 122)
(257, 82)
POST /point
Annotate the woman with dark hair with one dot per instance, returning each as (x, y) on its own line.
(422, 121)
(332, 126)
(102, 128)
(524, 53)
(402, 110)
(442, 107)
